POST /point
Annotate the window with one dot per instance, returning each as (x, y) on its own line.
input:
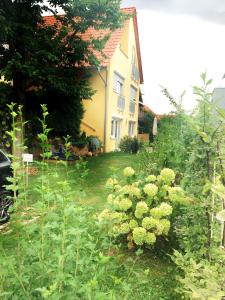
(115, 128)
(131, 127)
(133, 93)
(135, 71)
(118, 88)
(118, 83)
(133, 96)
(121, 102)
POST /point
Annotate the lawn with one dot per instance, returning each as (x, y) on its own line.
(100, 169)
(161, 272)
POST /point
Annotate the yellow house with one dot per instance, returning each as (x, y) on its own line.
(113, 111)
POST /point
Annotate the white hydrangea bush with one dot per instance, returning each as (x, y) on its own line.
(141, 208)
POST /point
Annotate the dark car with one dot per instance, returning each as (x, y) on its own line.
(5, 196)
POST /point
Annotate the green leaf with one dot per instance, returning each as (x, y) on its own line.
(221, 216)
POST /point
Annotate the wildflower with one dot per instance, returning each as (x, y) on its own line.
(133, 224)
(128, 172)
(139, 234)
(125, 204)
(141, 208)
(150, 189)
(151, 178)
(167, 175)
(150, 238)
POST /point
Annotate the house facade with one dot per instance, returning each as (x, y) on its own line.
(113, 111)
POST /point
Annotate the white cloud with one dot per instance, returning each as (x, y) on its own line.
(211, 10)
(175, 51)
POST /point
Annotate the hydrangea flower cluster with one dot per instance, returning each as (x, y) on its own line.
(176, 194)
(141, 208)
(132, 191)
(151, 189)
(163, 210)
(151, 178)
(125, 204)
(167, 175)
(111, 183)
(128, 172)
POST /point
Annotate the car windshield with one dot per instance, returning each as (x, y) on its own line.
(3, 158)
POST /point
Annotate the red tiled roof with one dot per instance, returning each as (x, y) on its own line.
(112, 42)
(158, 116)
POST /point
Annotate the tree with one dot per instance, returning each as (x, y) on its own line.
(47, 63)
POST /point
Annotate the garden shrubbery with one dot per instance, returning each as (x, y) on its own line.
(193, 145)
(140, 209)
(130, 144)
(54, 248)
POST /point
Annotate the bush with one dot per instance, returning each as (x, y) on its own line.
(81, 141)
(94, 143)
(141, 209)
(129, 144)
(200, 280)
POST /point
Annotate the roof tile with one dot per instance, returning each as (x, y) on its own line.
(113, 41)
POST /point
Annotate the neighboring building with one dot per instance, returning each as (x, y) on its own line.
(113, 111)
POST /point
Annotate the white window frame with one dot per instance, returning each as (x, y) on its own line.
(118, 86)
(134, 68)
(115, 128)
(133, 97)
(131, 128)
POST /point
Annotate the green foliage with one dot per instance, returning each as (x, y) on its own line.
(55, 249)
(81, 141)
(194, 146)
(130, 144)
(140, 209)
(145, 123)
(200, 280)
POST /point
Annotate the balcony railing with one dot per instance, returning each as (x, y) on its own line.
(121, 102)
(132, 107)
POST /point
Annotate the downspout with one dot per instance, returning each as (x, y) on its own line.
(105, 80)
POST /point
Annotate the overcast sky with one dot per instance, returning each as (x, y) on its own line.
(179, 40)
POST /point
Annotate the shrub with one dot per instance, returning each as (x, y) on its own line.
(81, 141)
(141, 209)
(129, 144)
(94, 143)
(200, 280)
